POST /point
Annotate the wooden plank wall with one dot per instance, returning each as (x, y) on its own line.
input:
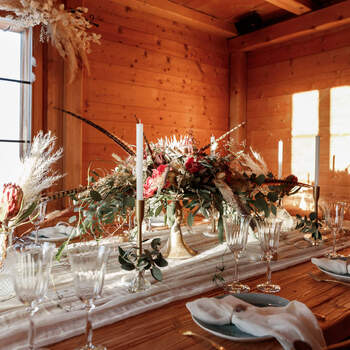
(172, 77)
(274, 74)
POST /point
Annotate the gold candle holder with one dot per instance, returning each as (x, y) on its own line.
(316, 195)
(139, 283)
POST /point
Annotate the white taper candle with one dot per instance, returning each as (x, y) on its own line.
(213, 145)
(139, 161)
(317, 160)
(280, 158)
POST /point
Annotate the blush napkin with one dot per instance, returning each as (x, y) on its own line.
(287, 324)
(333, 265)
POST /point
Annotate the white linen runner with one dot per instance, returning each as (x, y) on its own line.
(181, 279)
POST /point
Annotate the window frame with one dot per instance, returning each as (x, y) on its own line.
(26, 80)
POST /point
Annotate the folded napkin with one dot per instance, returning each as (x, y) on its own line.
(338, 266)
(287, 324)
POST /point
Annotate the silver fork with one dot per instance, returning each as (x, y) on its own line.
(318, 279)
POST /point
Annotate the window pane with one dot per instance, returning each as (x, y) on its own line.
(303, 158)
(10, 58)
(339, 148)
(9, 158)
(340, 110)
(10, 99)
(305, 113)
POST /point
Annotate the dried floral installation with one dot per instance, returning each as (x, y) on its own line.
(65, 28)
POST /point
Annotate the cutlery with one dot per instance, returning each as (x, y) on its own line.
(213, 344)
(179, 328)
(318, 279)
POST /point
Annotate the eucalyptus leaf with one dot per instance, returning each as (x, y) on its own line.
(190, 219)
(156, 273)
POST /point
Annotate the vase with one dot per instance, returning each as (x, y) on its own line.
(6, 290)
(176, 248)
(139, 283)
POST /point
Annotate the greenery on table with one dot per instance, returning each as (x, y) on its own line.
(149, 259)
(309, 224)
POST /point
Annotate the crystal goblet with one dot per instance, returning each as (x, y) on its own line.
(334, 219)
(37, 217)
(31, 267)
(88, 265)
(236, 231)
(268, 235)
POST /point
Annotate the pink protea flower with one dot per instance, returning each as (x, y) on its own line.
(10, 201)
(156, 181)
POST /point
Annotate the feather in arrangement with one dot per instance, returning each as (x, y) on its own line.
(66, 29)
(117, 140)
(221, 137)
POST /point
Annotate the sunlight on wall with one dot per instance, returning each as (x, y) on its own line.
(339, 128)
(304, 129)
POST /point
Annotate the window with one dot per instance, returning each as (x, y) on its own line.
(304, 130)
(15, 99)
(340, 128)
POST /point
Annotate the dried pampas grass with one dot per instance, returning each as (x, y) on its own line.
(66, 29)
(36, 173)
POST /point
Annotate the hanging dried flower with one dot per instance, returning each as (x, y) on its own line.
(66, 29)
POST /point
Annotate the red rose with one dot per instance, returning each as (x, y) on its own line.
(149, 188)
(192, 165)
(10, 202)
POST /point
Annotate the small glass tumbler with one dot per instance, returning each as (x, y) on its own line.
(31, 267)
(268, 234)
(88, 265)
(236, 231)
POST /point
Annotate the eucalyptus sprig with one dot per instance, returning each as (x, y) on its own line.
(149, 259)
(309, 224)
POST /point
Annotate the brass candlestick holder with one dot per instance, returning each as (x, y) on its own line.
(316, 194)
(139, 283)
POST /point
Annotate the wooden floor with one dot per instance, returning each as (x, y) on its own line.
(155, 330)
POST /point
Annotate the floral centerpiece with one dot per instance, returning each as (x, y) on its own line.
(181, 177)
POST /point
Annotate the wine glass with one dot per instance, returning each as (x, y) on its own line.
(236, 231)
(214, 217)
(334, 220)
(88, 265)
(268, 234)
(30, 269)
(37, 217)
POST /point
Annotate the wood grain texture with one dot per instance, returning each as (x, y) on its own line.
(172, 77)
(172, 11)
(294, 6)
(156, 330)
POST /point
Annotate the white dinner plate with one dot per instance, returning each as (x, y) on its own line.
(230, 331)
(53, 234)
(337, 276)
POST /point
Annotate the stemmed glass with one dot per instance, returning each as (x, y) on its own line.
(334, 219)
(236, 230)
(268, 234)
(30, 269)
(213, 216)
(37, 217)
(88, 265)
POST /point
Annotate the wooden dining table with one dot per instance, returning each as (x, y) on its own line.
(161, 329)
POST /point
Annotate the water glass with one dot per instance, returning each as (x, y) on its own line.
(268, 234)
(88, 265)
(37, 217)
(334, 219)
(30, 271)
(236, 231)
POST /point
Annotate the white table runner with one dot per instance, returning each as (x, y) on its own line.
(181, 279)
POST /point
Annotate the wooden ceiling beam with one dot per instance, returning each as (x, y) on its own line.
(298, 7)
(324, 19)
(175, 12)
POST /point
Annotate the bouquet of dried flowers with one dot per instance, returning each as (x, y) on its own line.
(67, 29)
